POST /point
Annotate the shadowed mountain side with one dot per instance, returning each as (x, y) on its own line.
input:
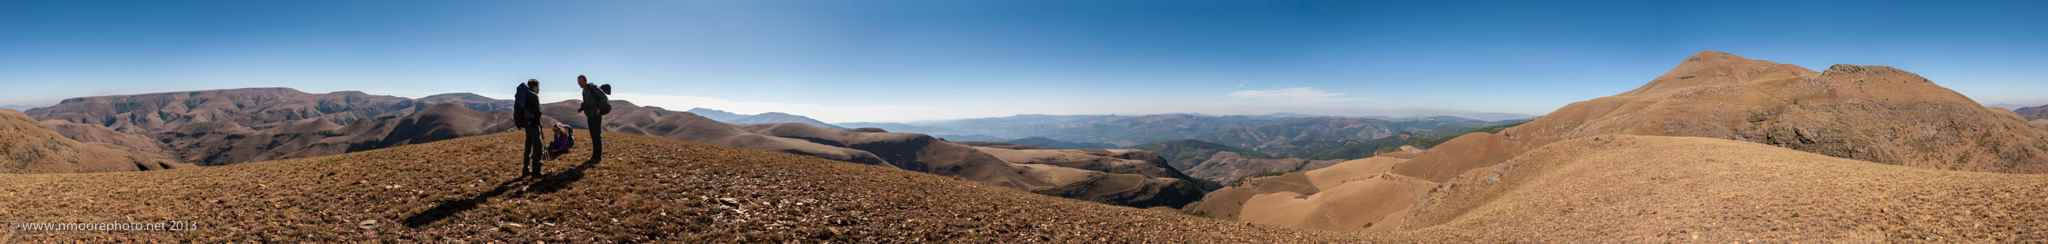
(1188, 154)
(1138, 183)
(1227, 167)
(31, 148)
(2034, 113)
(439, 121)
(137, 144)
(1183, 189)
(1307, 137)
(650, 190)
(1037, 143)
(654, 121)
(1112, 161)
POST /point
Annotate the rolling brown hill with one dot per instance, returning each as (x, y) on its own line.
(2037, 114)
(1111, 177)
(217, 127)
(250, 107)
(1872, 113)
(2033, 113)
(1229, 167)
(31, 148)
(1860, 113)
(649, 190)
(138, 145)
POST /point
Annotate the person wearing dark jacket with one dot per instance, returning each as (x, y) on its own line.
(596, 103)
(526, 115)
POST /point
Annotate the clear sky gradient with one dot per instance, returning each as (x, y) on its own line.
(844, 61)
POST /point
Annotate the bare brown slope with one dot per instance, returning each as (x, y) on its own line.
(215, 127)
(1458, 155)
(1228, 203)
(1872, 113)
(1111, 161)
(654, 121)
(135, 144)
(1353, 195)
(1123, 177)
(31, 148)
(1663, 189)
(914, 152)
(1126, 182)
(249, 107)
(649, 190)
(437, 121)
(1229, 167)
(147, 154)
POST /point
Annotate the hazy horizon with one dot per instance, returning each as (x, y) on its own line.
(919, 60)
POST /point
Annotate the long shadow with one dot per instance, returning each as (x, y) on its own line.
(560, 180)
(547, 184)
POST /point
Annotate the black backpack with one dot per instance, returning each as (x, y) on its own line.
(522, 114)
(605, 108)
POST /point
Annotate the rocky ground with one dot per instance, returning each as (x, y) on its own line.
(648, 189)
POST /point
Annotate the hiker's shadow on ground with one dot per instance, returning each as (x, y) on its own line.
(546, 184)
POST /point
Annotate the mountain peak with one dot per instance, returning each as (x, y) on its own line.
(1865, 69)
(1711, 54)
(1708, 68)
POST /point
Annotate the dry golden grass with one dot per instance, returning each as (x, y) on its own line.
(1664, 189)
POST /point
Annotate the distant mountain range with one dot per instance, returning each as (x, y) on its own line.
(1297, 136)
(218, 127)
(1037, 142)
(2032, 113)
(756, 119)
(16, 107)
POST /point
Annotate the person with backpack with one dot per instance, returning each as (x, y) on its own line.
(526, 115)
(596, 103)
(563, 140)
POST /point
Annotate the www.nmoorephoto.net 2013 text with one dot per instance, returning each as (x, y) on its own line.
(109, 227)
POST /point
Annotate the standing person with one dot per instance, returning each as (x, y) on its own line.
(596, 103)
(526, 115)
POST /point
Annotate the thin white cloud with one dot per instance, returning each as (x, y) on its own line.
(26, 103)
(1289, 95)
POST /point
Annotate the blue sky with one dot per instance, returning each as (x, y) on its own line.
(846, 61)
